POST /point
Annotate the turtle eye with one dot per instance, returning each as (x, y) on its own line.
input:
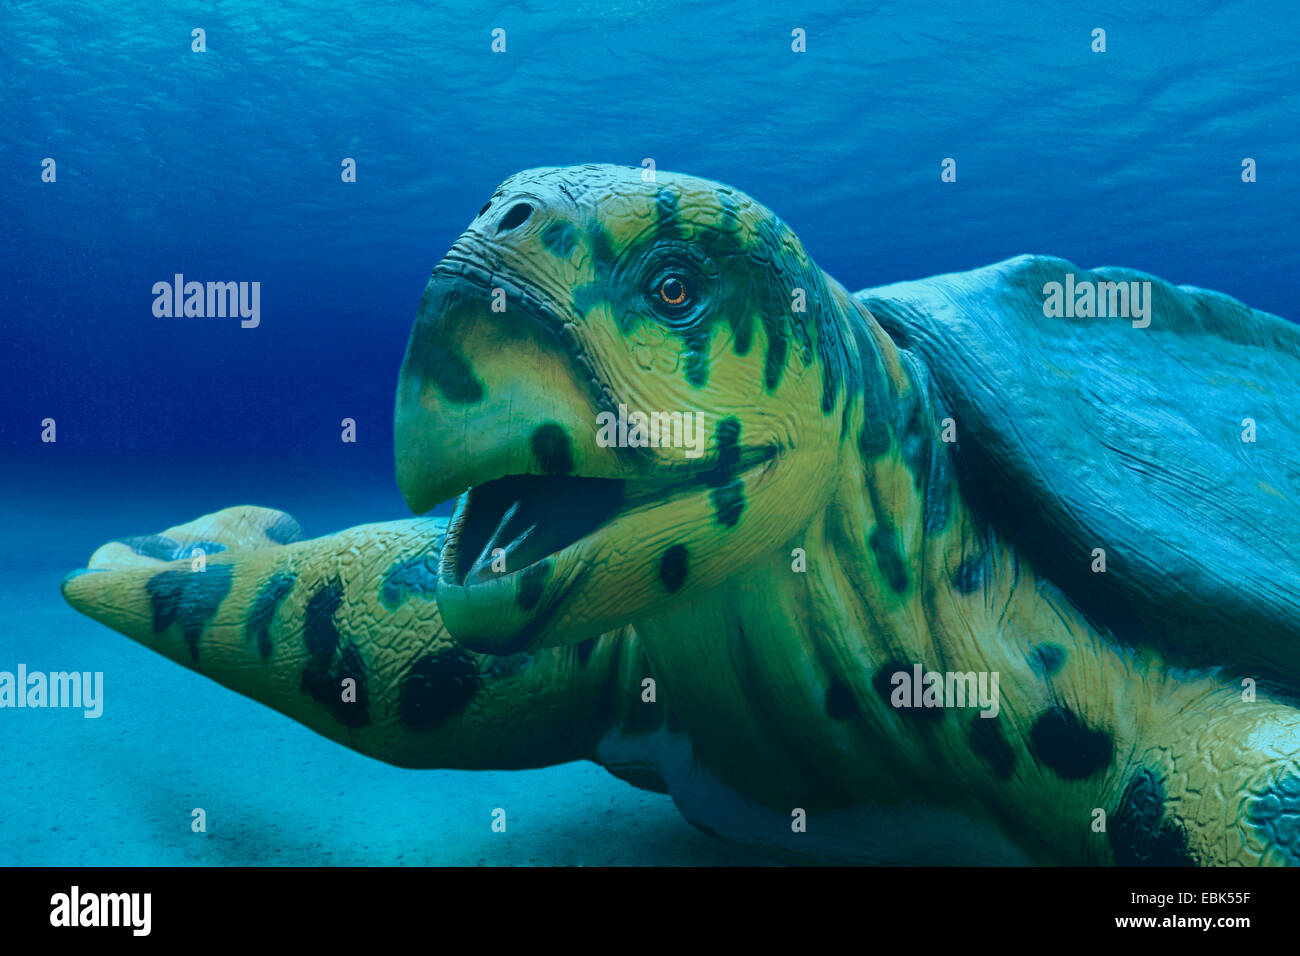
(673, 291)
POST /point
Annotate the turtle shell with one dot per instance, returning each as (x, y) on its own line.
(1169, 440)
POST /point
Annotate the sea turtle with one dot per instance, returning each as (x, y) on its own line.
(1081, 519)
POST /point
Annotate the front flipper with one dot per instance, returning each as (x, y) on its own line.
(342, 634)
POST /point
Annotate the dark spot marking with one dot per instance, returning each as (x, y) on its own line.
(435, 687)
(697, 357)
(840, 702)
(877, 402)
(532, 585)
(552, 449)
(884, 547)
(728, 503)
(742, 331)
(1277, 815)
(284, 530)
(319, 632)
(322, 679)
(585, 648)
(1063, 743)
(325, 685)
(602, 250)
(156, 546)
(672, 567)
(560, 238)
(1139, 834)
(1047, 659)
(414, 575)
(258, 628)
(727, 491)
(969, 576)
(587, 297)
(778, 345)
(188, 597)
(883, 682)
(989, 744)
(449, 372)
(162, 548)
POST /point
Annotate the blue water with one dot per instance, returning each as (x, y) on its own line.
(226, 165)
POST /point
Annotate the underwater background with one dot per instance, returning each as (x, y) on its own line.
(225, 165)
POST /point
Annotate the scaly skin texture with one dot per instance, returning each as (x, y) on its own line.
(286, 623)
(775, 585)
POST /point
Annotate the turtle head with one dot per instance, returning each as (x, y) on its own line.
(627, 383)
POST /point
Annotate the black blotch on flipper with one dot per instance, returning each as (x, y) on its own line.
(284, 530)
(883, 546)
(585, 648)
(840, 702)
(1047, 659)
(1063, 743)
(559, 237)
(319, 632)
(162, 548)
(1139, 833)
(673, 567)
(156, 546)
(414, 575)
(969, 576)
(258, 627)
(989, 744)
(190, 597)
(552, 449)
(435, 687)
(883, 683)
(532, 584)
(325, 684)
(320, 677)
(1276, 813)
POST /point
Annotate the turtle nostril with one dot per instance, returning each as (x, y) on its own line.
(515, 217)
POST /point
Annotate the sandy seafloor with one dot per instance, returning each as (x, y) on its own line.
(119, 790)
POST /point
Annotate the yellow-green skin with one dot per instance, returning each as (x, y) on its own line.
(828, 549)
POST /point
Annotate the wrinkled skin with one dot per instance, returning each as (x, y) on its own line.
(768, 590)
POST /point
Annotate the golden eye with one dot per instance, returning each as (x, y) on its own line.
(672, 290)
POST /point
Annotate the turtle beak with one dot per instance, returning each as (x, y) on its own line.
(477, 385)
(491, 408)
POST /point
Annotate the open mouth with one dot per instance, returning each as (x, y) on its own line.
(525, 518)
(508, 524)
